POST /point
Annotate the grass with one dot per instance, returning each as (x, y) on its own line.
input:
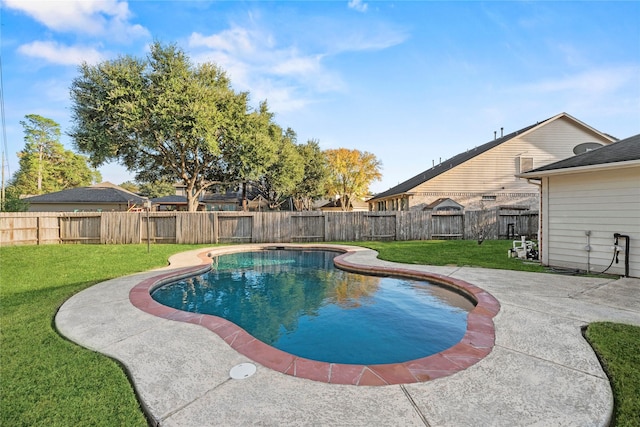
(47, 380)
(618, 347)
(490, 254)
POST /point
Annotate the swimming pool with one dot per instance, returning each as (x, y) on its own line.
(298, 302)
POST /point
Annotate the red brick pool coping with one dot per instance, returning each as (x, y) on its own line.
(476, 344)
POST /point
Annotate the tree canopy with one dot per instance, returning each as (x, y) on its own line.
(45, 165)
(163, 118)
(350, 174)
(168, 120)
(156, 189)
(287, 171)
(315, 175)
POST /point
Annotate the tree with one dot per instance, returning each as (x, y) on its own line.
(12, 201)
(250, 148)
(157, 189)
(162, 117)
(130, 186)
(313, 184)
(287, 172)
(41, 136)
(350, 174)
(45, 165)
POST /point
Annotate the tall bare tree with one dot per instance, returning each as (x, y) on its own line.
(45, 165)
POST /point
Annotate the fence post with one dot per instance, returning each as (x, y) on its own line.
(216, 228)
(326, 227)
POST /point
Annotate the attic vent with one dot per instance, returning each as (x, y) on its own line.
(489, 197)
(523, 164)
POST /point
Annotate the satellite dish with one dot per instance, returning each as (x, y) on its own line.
(586, 146)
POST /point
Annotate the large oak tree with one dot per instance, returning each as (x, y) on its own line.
(162, 117)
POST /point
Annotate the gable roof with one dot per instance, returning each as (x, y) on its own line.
(626, 150)
(444, 166)
(100, 193)
(450, 203)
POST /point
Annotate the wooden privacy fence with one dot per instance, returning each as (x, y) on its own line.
(256, 227)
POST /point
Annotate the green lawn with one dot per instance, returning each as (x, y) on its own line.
(490, 254)
(47, 380)
(618, 347)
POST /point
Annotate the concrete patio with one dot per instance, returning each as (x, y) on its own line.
(541, 371)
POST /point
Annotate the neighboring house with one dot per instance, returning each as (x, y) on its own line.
(484, 177)
(336, 206)
(103, 197)
(231, 200)
(589, 203)
(171, 203)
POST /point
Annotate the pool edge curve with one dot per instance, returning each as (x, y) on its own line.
(475, 345)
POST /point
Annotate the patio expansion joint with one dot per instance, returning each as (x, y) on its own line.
(547, 313)
(589, 374)
(130, 336)
(452, 273)
(423, 418)
(180, 408)
(591, 288)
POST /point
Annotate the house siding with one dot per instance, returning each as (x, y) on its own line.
(601, 202)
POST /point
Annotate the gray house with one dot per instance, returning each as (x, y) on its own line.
(103, 197)
(590, 209)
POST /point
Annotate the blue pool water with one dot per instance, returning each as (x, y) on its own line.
(299, 302)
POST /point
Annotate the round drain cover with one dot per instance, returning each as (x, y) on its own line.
(242, 371)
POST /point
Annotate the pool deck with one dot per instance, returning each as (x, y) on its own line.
(540, 371)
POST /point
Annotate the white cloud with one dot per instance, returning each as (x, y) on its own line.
(93, 17)
(358, 5)
(297, 65)
(237, 39)
(59, 54)
(369, 40)
(591, 82)
(287, 78)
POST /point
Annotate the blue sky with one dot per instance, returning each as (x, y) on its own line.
(409, 81)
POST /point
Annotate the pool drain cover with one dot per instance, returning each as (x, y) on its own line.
(242, 371)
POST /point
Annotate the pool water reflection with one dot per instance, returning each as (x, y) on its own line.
(298, 302)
